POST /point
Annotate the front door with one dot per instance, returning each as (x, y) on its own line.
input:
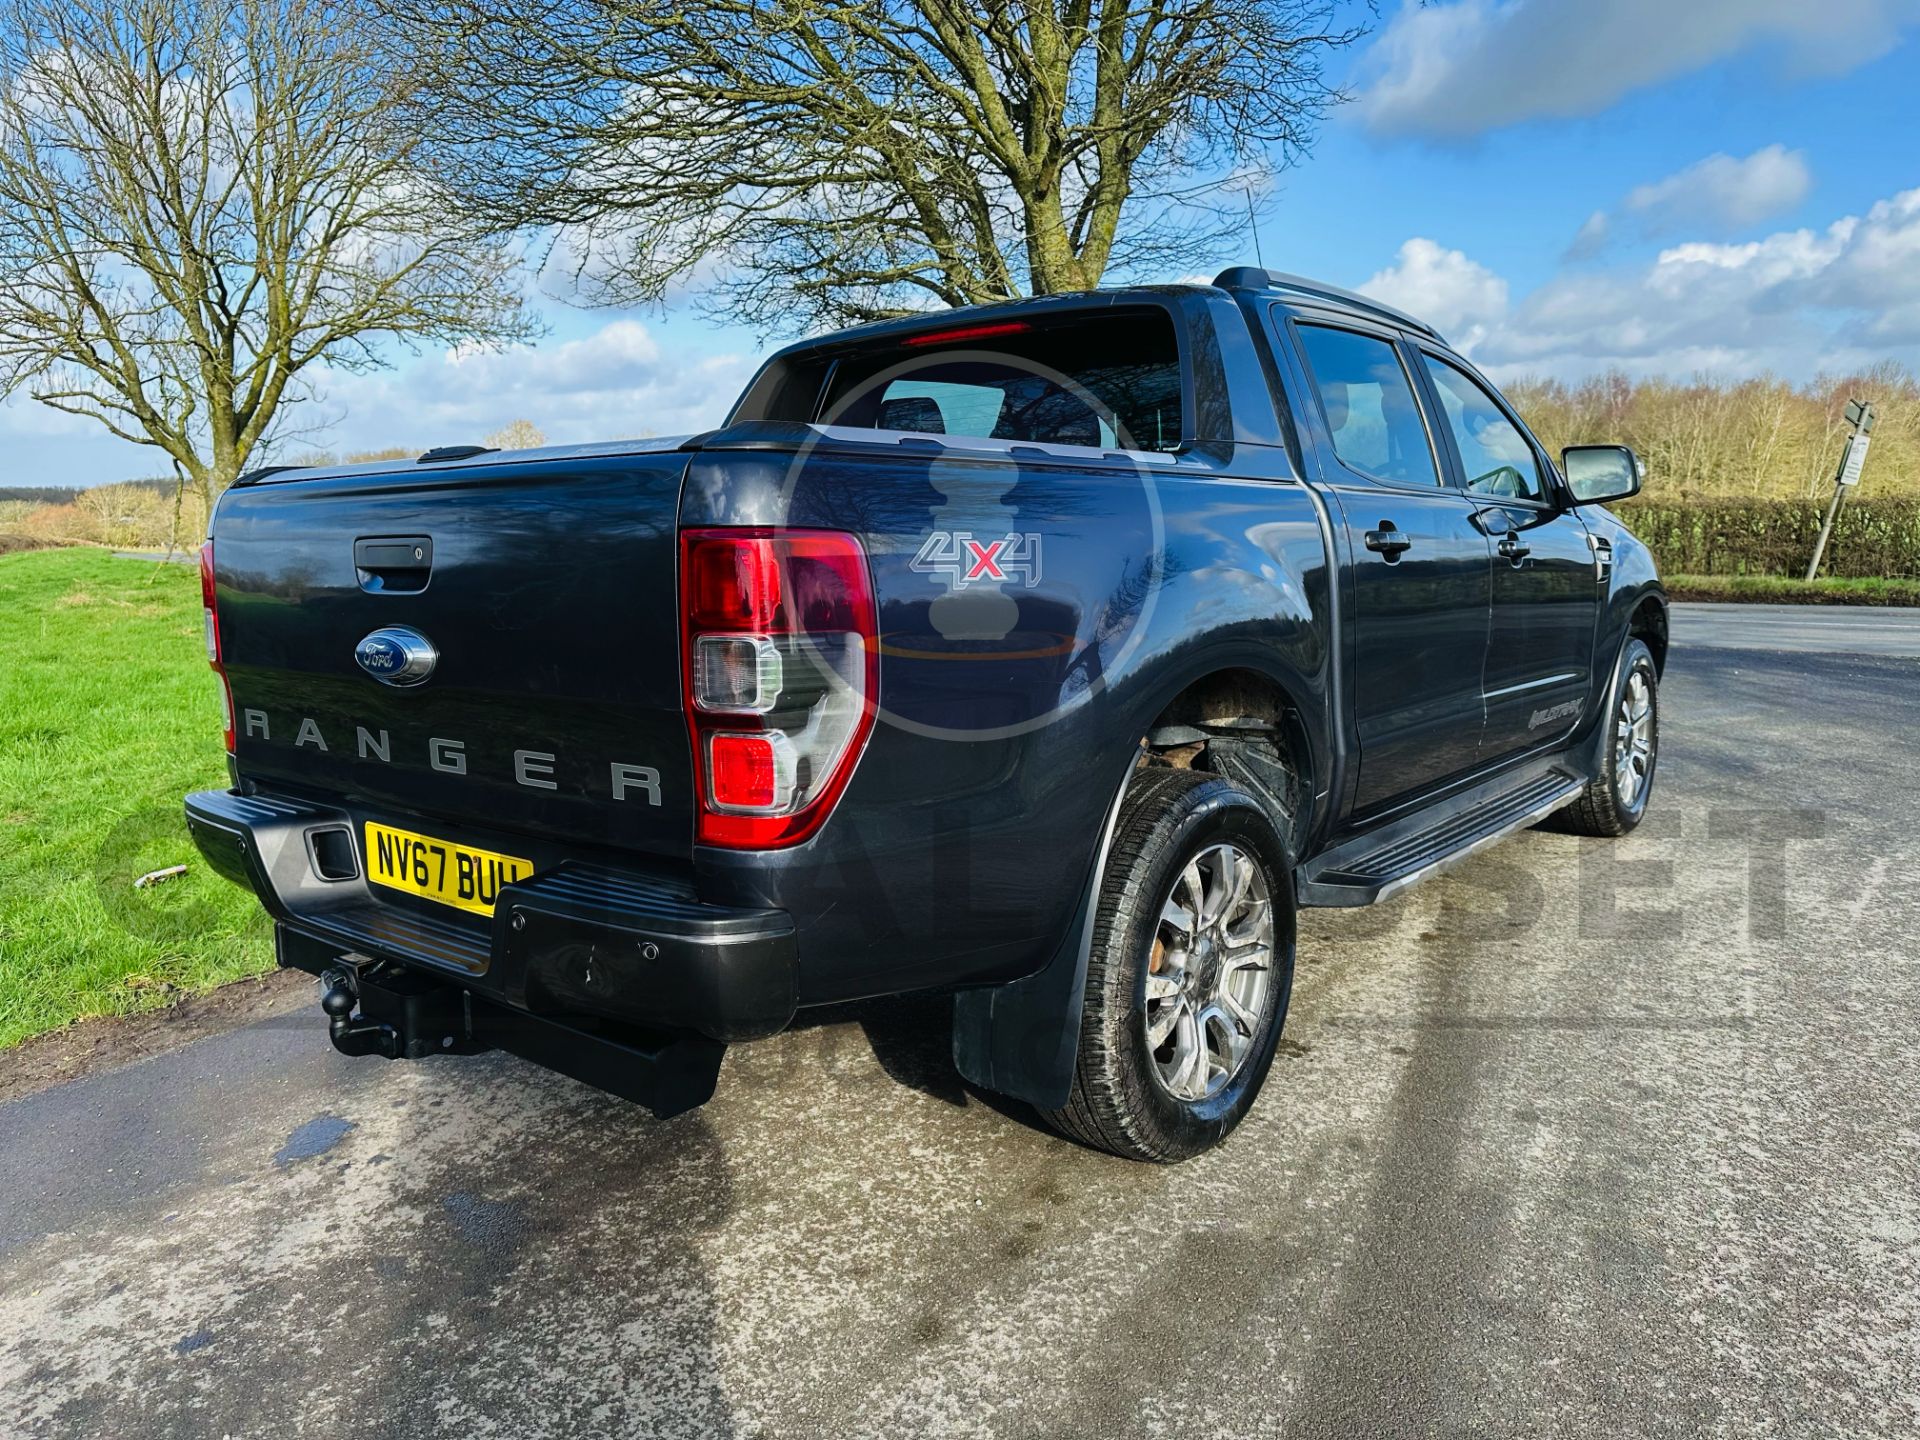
(1420, 569)
(1546, 589)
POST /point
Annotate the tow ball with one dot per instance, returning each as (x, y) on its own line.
(350, 1036)
(402, 1015)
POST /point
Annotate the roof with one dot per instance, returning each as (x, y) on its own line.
(1251, 277)
(1238, 277)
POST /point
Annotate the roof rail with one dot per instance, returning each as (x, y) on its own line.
(1251, 277)
(262, 472)
(453, 452)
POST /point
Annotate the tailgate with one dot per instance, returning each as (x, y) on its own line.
(547, 592)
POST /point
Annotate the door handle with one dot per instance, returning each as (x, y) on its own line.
(1388, 541)
(1512, 548)
(396, 563)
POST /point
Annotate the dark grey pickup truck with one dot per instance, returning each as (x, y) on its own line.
(1048, 655)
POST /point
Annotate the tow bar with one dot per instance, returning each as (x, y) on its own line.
(403, 1016)
(376, 1007)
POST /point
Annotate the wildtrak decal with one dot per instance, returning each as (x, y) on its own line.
(1566, 710)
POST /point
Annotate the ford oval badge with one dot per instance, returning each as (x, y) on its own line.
(396, 655)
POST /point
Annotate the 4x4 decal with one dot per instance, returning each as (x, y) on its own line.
(966, 560)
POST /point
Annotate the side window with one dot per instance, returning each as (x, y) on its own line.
(1369, 405)
(1496, 456)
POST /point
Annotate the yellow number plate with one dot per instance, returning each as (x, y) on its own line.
(456, 875)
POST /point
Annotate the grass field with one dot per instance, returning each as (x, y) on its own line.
(108, 715)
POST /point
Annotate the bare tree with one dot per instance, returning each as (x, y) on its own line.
(199, 199)
(810, 161)
(517, 435)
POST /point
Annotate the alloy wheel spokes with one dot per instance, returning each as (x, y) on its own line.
(1161, 1024)
(1207, 982)
(1633, 739)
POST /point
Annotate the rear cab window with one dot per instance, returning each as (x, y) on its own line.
(1109, 378)
(1367, 400)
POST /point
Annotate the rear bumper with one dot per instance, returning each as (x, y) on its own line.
(576, 944)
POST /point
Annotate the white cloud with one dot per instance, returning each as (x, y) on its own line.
(1792, 302)
(1723, 191)
(1458, 70)
(1457, 296)
(1592, 237)
(1877, 273)
(617, 382)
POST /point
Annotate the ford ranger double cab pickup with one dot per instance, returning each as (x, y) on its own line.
(1047, 655)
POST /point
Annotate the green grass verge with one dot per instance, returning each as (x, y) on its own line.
(1780, 590)
(108, 715)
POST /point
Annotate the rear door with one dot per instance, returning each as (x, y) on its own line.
(1420, 566)
(1546, 592)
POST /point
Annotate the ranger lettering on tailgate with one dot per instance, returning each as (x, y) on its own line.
(530, 767)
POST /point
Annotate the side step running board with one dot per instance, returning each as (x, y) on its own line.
(1373, 867)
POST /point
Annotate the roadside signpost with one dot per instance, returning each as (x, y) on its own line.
(1855, 457)
(1860, 416)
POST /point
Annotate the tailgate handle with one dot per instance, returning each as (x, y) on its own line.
(393, 563)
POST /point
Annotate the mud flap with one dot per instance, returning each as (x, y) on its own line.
(1021, 1039)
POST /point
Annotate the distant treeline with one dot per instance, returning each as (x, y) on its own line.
(158, 512)
(1757, 439)
(141, 514)
(67, 494)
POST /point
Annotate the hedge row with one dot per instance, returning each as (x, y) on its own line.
(1872, 539)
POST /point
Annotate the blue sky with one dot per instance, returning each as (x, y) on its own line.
(1562, 186)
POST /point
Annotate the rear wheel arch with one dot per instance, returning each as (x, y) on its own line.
(1245, 723)
(1020, 1038)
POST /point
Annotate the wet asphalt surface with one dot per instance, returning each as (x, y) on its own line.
(1585, 1138)
(1808, 629)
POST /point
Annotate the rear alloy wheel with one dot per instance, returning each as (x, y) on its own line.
(1190, 970)
(1208, 973)
(1616, 799)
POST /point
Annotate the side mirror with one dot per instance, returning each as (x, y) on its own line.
(1599, 473)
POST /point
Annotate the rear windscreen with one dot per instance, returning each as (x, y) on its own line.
(1109, 380)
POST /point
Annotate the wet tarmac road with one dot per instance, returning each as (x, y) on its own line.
(1585, 1138)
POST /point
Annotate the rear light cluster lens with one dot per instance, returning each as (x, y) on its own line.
(737, 673)
(215, 658)
(751, 773)
(782, 675)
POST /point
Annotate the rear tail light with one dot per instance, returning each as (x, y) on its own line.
(736, 673)
(752, 773)
(215, 658)
(782, 675)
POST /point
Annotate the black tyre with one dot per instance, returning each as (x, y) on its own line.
(1190, 971)
(1616, 799)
